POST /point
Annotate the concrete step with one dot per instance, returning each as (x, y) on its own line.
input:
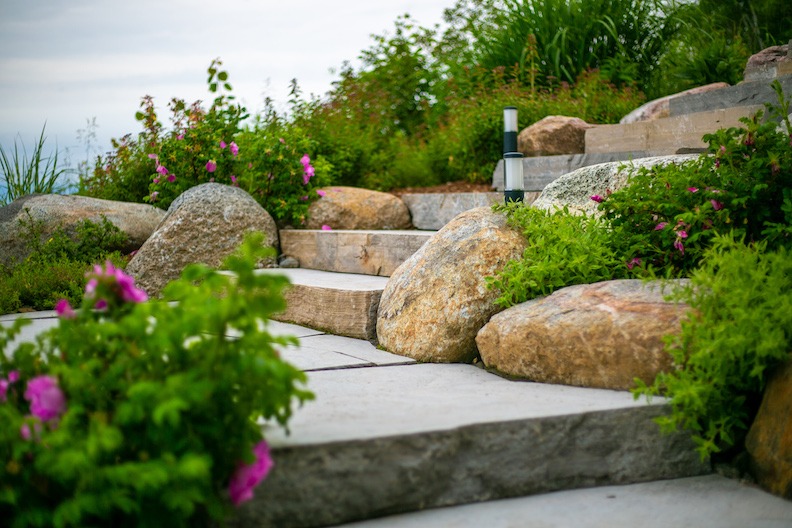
(363, 252)
(432, 211)
(385, 440)
(343, 304)
(665, 136)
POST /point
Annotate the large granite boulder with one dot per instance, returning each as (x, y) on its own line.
(575, 189)
(600, 335)
(554, 135)
(437, 300)
(354, 208)
(204, 224)
(54, 211)
(769, 63)
(660, 108)
(769, 441)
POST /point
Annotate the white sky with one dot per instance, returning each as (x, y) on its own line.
(65, 61)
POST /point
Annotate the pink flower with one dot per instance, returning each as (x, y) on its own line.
(211, 166)
(3, 389)
(46, 398)
(321, 193)
(678, 245)
(233, 148)
(247, 477)
(723, 149)
(122, 284)
(682, 234)
(180, 136)
(162, 170)
(304, 198)
(222, 144)
(25, 433)
(234, 181)
(153, 156)
(326, 227)
(153, 196)
(171, 178)
(13, 376)
(156, 180)
(660, 226)
(693, 189)
(716, 205)
(283, 141)
(305, 160)
(64, 310)
(634, 262)
(597, 198)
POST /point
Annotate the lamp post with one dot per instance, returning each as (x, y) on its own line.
(514, 187)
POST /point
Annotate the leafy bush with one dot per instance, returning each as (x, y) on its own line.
(740, 327)
(144, 413)
(563, 249)
(57, 263)
(39, 174)
(669, 215)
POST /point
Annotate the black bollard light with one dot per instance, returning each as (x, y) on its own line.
(514, 187)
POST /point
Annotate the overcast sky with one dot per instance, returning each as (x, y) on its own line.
(65, 61)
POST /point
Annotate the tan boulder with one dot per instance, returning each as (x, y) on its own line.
(600, 335)
(769, 441)
(437, 300)
(204, 224)
(554, 135)
(138, 221)
(769, 63)
(660, 108)
(354, 208)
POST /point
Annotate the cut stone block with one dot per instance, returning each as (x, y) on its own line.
(339, 303)
(666, 136)
(364, 252)
(378, 441)
(541, 171)
(744, 94)
(432, 211)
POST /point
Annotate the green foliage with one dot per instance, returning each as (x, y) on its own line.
(161, 406)
(740, 327)
(56, 266)
(21, 176)
(669, 215)
(563, 249)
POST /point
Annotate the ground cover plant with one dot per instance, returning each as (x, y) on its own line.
(134, 413)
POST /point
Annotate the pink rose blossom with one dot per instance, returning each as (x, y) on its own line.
(634, 262)
(321, 193)
(716, 205)
(46, 398)
(682, 234)
(156, 180)
(64, 309)
(171, 178)
(305, 160)
(162, 170)
(211, 166)
(597, 198)
(247, 477)
(678, 245)
(660, 226)
(13, 376)
(180, 136)
(25, 433)
(326, 227)
(233, 148)
(222, 144)
(125, 285)
(153, 156)
(234, 181)
(3, 389)
(693, 189)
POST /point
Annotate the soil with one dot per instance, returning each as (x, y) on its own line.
(450, 187)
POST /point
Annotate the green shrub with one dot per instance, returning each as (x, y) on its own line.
(669, 215)
(151, 411)
(563, 249)
(740, 326)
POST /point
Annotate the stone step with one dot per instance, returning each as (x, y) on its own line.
(540, 171)
(669, 135)
(384, 440)
(342, 304)
(743, 94)
(432, 211)
(363, 252)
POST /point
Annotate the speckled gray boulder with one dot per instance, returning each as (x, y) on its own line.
(205, 224)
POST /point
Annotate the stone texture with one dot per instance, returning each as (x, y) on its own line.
(554, 135)
(575, 189)
(743, 94)
(769, 63)
(601, 335)
(769, 440)
(539, 172)
(669, 136)
(385, 440)
(353, 208)
(364, 252)
(204, 224)
(660, 108)
(338, 303)
(432, 211)
(138, 221)
(436, 302)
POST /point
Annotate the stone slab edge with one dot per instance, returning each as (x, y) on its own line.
(539, 172)
(744, 94)
(323, 485)
(432, 211)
